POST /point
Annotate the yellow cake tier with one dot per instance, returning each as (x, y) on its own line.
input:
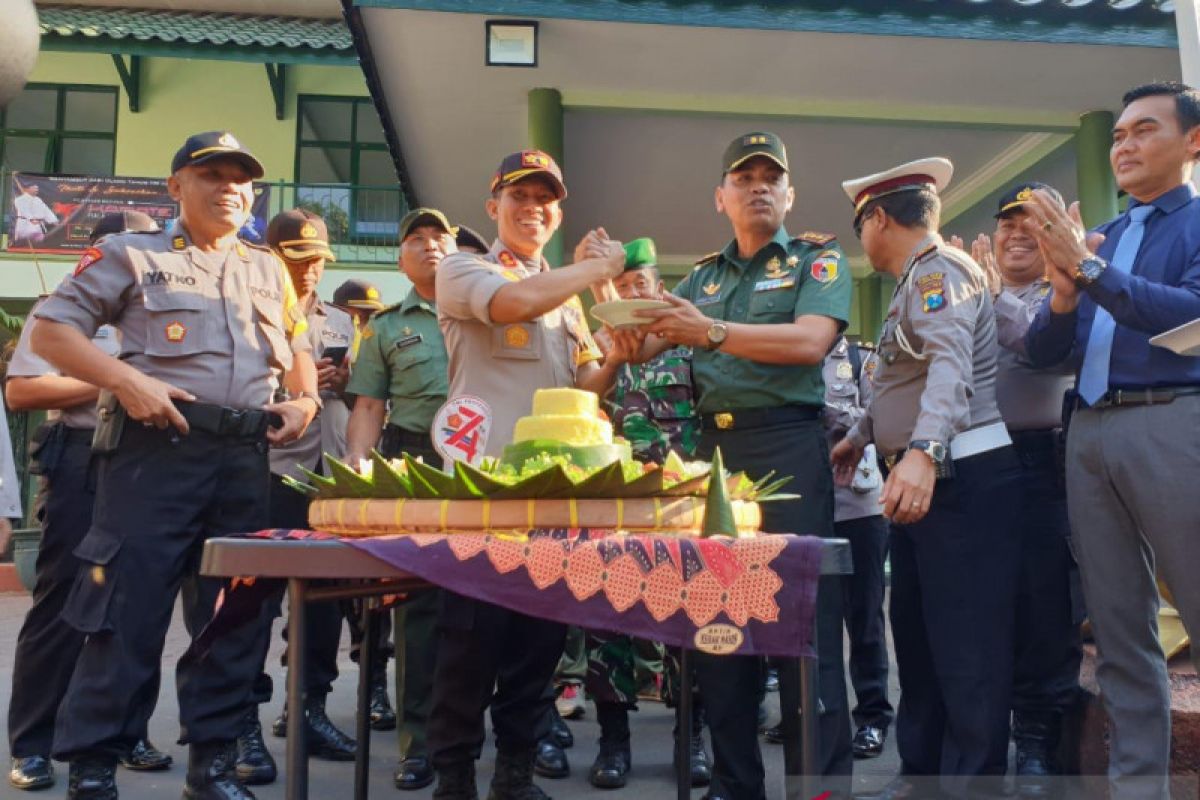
(361, 517)
(565, 402)
(570, 429)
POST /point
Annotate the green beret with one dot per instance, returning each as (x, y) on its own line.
(640, 253)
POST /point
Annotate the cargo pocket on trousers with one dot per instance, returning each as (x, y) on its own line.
(87, 607)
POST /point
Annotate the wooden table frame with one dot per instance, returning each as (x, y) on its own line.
(300, 562)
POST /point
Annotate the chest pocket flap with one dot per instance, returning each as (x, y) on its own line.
(176, 323)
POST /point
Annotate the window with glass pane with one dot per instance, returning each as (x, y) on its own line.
(60, 129)
(340, 152)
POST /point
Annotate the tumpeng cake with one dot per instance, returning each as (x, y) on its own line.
(565, 422)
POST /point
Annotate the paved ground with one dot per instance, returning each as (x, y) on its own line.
(651, 776)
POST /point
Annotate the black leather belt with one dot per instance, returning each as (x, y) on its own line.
(78, 435)
(1045, 439)
(758, 417)
(1143, 397)
(240, 423)
(396, 439)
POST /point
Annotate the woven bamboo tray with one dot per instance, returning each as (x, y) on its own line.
(363, 517)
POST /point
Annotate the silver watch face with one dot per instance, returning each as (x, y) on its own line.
(1091, 268)
(717, 332)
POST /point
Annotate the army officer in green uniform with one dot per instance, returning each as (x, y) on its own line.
(402, 360)
(761, 315)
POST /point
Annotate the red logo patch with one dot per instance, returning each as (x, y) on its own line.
(535, 158)
(176, 331)
(508, 259)
(90, 256)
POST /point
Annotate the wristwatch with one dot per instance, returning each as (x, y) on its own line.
(937, 454)
(1089, 270)
(716, 335)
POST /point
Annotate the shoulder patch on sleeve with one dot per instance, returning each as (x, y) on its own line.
(708, 259)
(817, 238)
(89, 257)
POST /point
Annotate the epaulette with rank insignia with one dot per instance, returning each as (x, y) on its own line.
(708, 259)
(815, 237)
(387, 309)
(866, 346)
(256, 245)
(925, 253)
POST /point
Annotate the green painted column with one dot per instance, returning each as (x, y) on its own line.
(1096, 184)
(546, 134)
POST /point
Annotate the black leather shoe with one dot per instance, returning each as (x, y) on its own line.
(456, 782)
(868, 741)
(210, 773)
(774, 734)
(699, 767)
(253, 764)
(92, 779)
(550, 760)
(611, 767)
(31, 772)
(324, 739)
(560, 733)
(383, 718)
(414, 772)
(145, 757)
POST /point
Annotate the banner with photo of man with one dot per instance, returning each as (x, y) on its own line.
(56, 213)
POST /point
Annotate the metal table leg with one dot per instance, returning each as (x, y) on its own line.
(297, 755)
(683, 722)
(366, 666)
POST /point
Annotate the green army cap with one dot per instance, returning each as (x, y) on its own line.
(425, 216)
(640, 254)
(749, 145)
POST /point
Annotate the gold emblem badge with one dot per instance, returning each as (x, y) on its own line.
(792, 260)
(241, 250)
(372, 293)
(178, 243)
(711, 289)
(176, 331)
(775, 268)
(844, 371)
(724, 420)
(227, 140)
(308, 231)
(1025, 194)
(406, 332)
(516, 336)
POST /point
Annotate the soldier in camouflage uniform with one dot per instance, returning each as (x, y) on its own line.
(655, 409)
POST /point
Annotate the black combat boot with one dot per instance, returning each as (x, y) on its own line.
(324, 738)
(254, 765)
(456, 782)
(210, 773)
(92, 779)
(1036, 736)
(611, 767)
(698, 764)
(514, 778)
(383, 718)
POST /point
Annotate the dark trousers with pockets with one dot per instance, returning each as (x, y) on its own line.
(954, 578)
(732, 686)
(158, 498)
(46, 646)
(1048, 648)
(488, 655)
(865, 626)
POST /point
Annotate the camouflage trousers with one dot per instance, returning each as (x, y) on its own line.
(614, 668)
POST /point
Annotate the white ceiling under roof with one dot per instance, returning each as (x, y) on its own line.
(649, 109)
(279, 8)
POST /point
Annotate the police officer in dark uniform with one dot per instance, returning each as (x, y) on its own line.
(400, 375)
(760, 316)
(46, 647)
(952, 489)
(208, 325)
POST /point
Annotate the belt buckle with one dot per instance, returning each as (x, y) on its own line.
(724, 420)
(890, 461)
(232, 420)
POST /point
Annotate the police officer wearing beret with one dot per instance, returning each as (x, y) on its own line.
(400, 376)
(952, 489)
(61, 457)
(760, 315)
(208, 326)
(1048, 648)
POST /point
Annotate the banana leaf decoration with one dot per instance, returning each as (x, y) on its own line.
(718, 510)
(410, 478)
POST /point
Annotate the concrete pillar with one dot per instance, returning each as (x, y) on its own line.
(1096, 184)
(1187, 31)
(546, 134)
